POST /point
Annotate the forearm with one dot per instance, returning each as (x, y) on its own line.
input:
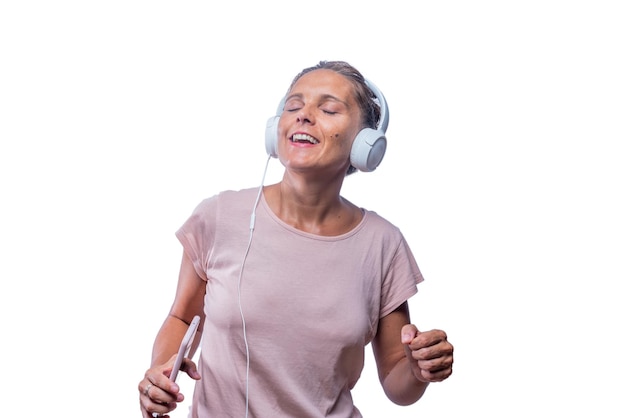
(168, 340)
(401, 386)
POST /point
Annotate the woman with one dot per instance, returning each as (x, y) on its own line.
(290, 298)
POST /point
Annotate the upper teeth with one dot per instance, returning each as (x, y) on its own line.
(305, 137)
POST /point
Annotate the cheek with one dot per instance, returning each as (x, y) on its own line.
(281, 127)
(342, 140)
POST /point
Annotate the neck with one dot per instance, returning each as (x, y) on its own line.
(312, 206)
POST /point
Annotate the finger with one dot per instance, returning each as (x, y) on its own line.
(161, 411)
(144, 386)
(436, 370)
(144, 413)
(190, 368)
(152, 405)
(441, 349)
(439, 361)
(408, 333)
(167, 394)
(149, 407)
(159, 389)
(428, 339)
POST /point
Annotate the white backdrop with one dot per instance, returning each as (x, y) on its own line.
(505, 170)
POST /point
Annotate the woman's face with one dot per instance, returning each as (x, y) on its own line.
(320, 120)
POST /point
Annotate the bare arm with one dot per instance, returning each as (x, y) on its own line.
(408, 360)
(188, 302)
(157, 392)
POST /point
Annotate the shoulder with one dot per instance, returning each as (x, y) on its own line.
(226, 197)
(379, 223)
(222, 208)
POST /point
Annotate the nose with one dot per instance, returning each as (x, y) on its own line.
(305, 115)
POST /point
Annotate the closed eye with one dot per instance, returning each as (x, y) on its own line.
(293, 104)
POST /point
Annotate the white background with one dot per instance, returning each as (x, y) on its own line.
(505, 170)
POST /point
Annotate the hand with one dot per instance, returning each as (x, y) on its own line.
(430, 354)
(158, 395)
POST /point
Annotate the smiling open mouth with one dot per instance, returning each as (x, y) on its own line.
(304, 138)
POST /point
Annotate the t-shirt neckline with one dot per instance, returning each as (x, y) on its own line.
(290, 228)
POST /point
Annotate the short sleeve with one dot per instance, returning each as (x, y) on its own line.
(401, 279)
(197, 235)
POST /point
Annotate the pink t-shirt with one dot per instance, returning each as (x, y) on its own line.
(311, 304)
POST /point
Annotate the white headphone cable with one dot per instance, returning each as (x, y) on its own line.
(243, 319)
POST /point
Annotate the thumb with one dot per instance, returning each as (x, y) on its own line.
(190, 367)
(409, 332)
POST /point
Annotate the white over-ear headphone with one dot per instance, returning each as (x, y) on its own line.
(368, 148)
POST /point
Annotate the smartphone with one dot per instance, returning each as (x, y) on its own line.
(185, 346)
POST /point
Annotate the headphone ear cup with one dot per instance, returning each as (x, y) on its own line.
(369, 146)
(368, 149)
(271, 136)
(271, 131)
